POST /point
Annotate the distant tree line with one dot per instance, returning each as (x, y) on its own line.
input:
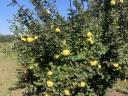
(6, 38)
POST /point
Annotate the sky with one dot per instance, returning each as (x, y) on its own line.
(7, 12)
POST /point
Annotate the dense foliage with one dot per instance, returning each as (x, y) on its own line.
(82, 55)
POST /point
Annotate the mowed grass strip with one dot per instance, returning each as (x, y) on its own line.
(8, 66)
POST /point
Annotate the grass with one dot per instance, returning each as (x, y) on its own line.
(119, 89)
(8, 66)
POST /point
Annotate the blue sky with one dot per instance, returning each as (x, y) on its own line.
(7, 12)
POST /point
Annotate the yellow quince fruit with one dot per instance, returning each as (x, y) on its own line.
(30, 39)
(66, 52)
(23, 39)
(115, 65)
(90, 40)
(50, 73)
(46, 94)
(50, 83)
(57, 30)
(83, 84)
(66, 92)
(93, 62)
(113, 2)
(35, 37)
(99, 66)
(89, 34)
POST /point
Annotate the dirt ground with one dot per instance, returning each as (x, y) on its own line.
(8, 75)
